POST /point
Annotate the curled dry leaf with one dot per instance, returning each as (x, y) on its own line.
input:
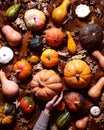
(25, 41)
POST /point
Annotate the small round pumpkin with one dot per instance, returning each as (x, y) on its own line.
(23, 69)
(77, 74)
(46, 84)
(54, 36)
(91, 36)
(27, 104)
(49, 58)
(7, 114)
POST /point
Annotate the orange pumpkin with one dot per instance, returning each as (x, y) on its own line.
(46, 84)
(23, 69)
(49, 58)
(54, 37)
(77, 74)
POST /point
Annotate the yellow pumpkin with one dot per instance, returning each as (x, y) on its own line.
(77, 74)
(49, 57)
(46, 84)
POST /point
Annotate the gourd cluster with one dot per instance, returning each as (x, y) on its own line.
(46, 83)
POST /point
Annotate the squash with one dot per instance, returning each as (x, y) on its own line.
(91, 36)
(12, 11)
(49, 57)
(13, 37)
(74, 101)
(23, 69)
(71, 43)
(7, 114)
(36, 44)
(59, 14)
(63, 120)
(46, 84)
(82, 123)
(54, 36)
(77, 74)
(27, 104)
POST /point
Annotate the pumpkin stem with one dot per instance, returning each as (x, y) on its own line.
(77, 76)
(17, 71)
(41, 85)
(48, 58)
(77, 103)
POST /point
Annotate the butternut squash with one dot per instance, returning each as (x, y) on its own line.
(9, 88)
(82, 123)
(97, 54)
(95, 91)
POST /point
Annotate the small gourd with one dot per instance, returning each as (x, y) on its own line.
(49, 57)
(97, 54)
(95, 91)
(63, 120)
(59, 14)
(95, 111)
(7, 114)
(9, 88)
(82, 123)
(22, 69)
(71, 43)
(54, 36)
(36, 44)
(35, 19)
(12, 11)
(27, 104)
(13, 37)
(6, 55)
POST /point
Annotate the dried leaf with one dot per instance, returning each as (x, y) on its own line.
(25, 42)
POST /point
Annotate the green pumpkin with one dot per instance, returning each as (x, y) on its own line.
(7, 114)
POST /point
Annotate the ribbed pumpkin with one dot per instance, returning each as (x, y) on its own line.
(77, 74)
(46, 84)
(7, 114)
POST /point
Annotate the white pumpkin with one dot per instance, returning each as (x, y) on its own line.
(6, 55)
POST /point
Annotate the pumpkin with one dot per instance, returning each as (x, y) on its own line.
(54, 37)
(77, 74)
(27, 104)
(49, 58)
(74, 101)
(91, 36)
(7, 114)
(22, 69)
(46, 84)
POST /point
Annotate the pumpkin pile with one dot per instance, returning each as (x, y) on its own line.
(46, 48)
